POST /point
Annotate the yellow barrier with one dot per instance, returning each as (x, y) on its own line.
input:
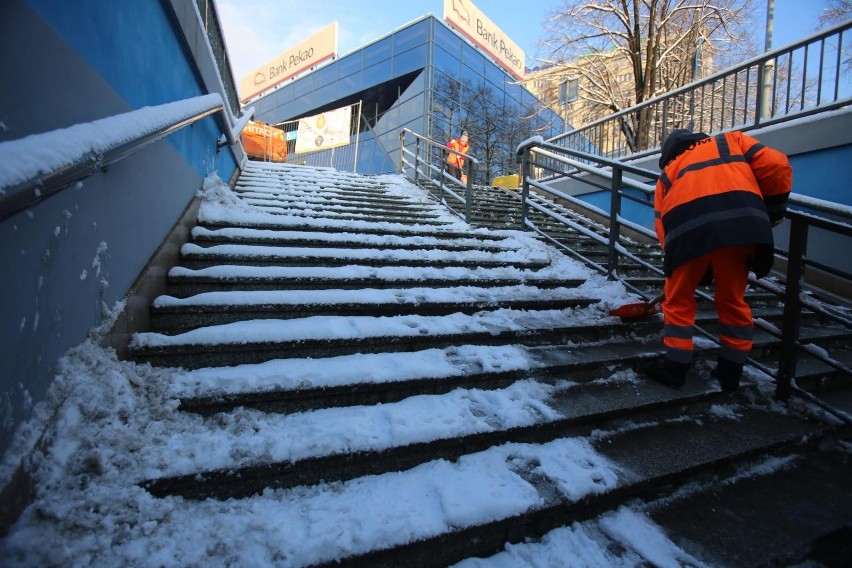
(510, 182)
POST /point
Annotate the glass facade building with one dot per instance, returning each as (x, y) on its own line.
(425, 77)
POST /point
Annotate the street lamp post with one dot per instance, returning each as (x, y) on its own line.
(769, 65)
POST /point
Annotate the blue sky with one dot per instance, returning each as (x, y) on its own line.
(258, 30)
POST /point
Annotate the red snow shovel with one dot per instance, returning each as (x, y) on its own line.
(638, 310)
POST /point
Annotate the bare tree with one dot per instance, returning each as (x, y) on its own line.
(627, 51)
(835, 12)
(480, 109)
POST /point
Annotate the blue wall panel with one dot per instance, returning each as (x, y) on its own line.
(134, 47)
(82, 250)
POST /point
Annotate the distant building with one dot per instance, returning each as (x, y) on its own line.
(600, 84)
(429, 78)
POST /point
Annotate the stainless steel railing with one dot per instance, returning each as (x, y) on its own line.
(421, 158)
(806, 77)
(92, 158)
(545, 163)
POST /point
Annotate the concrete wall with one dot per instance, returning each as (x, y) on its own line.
(77, 254)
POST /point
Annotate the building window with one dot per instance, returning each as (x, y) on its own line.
(569, 91)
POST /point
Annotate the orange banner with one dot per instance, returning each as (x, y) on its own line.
(264, 142)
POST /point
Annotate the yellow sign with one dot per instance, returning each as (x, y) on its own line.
(469, 20)
(312, 51)
(511, 181)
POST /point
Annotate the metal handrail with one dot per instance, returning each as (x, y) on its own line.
(549, 157)
(33, 191)
(424, 162)
(735, 97)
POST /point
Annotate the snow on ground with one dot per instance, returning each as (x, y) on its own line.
(108, 425)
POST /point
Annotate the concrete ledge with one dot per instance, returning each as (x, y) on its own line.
(151, 283)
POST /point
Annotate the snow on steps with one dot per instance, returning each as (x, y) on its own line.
(480, 438)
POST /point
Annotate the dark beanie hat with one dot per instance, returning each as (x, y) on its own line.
(676, 143)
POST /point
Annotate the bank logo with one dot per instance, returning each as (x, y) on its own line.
(462, 12)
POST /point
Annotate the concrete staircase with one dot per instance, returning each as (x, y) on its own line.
(320, 270)
(498, 208)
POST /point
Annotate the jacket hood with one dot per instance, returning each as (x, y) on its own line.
(676, 143)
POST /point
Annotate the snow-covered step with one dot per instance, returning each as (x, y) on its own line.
(170, 314)
(322, 213)
(327, 207)
(194, 256)
(332, 198)
(295, 385)
(355, 441)
(388, 230)
(587, 485)
(256, 341)
(494, 494)
(184, 282)
(313, 238)
(328, 195)
(248, 187)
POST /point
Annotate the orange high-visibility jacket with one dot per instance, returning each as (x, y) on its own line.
(458, 146)
(721, 191)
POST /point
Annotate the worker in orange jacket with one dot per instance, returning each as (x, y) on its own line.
(715, 204)
(455, 163)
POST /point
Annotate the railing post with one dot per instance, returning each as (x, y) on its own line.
(759, 102)
(614, 213)
(417, 161)
(525, 187)
(468, 192)
(792, 315)
(441, 175)
(401, 153)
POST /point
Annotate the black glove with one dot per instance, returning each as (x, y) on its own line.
(707, 279)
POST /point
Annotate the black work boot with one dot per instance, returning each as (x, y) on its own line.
(668, 372)
(728, 374)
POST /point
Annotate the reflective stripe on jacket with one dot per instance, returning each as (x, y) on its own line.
(458, 146)
(721, 191)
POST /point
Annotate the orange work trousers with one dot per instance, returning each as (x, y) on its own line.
(730, 274)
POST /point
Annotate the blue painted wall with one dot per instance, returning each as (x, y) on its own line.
(82, 250)
(133, 46)
(822, 174)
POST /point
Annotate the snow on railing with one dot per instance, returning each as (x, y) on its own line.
(40, 165)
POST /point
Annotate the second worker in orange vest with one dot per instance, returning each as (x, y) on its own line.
(715, 204)
(455, 163)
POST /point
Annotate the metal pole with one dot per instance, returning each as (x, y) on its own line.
(441, 175)
(525, 192)
(695, 61)
(614, 212)
(401, 153)
(766, 96)
(358, 137)
(416, 161)
(792, 309)
(468, 192)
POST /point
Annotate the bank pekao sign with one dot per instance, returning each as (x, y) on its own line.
(316, 49)
(470, 21)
